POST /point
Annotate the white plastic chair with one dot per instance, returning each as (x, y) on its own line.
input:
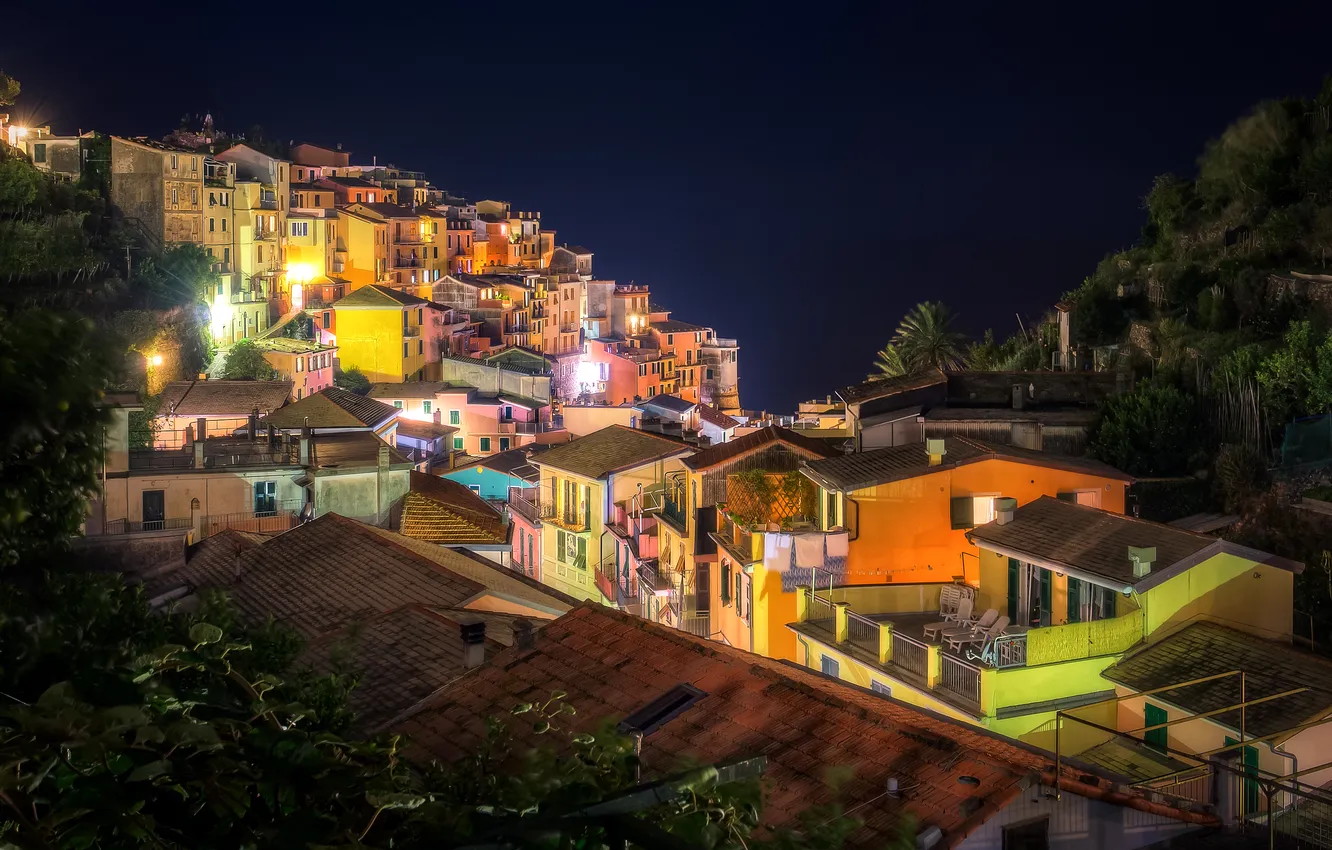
(962, 615)
(981, 636)
(962, 630)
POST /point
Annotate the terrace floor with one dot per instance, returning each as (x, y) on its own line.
(1132, 760)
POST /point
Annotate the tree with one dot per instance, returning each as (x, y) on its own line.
(923, 340)
(352, 380)
(245, 362)
(888, 364)
(1288, 375)
(55, 369)
(9, 89)
(1156, 430)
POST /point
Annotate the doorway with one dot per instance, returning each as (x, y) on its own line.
(154, 510)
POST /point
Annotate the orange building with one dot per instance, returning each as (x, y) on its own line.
(357, 190)
(685, 341)
(908, 508)
(308, 364)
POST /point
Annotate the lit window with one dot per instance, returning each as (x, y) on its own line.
(398, 404)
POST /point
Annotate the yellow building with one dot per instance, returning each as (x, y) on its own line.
(1070, 590)
(365, 238)
(315, 254)
(379, 331)
(580, 484)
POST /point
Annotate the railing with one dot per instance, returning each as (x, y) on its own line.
(407, 263)
(215, 457)
(911, 655)
(570, 517)
(960, 678)
(651, 579)
(264, 234)
(1194, 785)
(268, 203)
(696, 624)
(412, 332)
(1008, 651)
(524, 502)
(222, 268)
(125, 526)
(673, 511)
(605, 584)
(820, 608)
(862, 632)
(267, 522)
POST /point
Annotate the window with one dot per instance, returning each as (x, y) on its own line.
(1029, 835)
(194, 197)
(300, 228)
(397, 404)
(404, 348)
(880, 688)
(971, 511)
(173, 160)
(425, 407)
(1154, 715)
(829, 666)
(226, 199)
(328, 318)
(212, 199)
(154, 510)
(300, 364)
(726, 583)
(485, 444)
(39, 153)
(1089, 602)
(458, 443)
(212, 225)
(175, 196)
(504, 444)
(224, 225)
(455, 417)
(358, 197)
(298, 394)
(529, 549)
(741, 602)
(265, 497)
(475, 488)
(1090, 498)
(507, 412)
(420, 346)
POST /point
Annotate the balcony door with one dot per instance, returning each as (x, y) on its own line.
(1029, 594)
(154, 510)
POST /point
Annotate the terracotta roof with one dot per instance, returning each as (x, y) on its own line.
(332, 407)
(515, 462)
(879, 466)
(1088, 539)
(884, 387)
(408, 389)
(212, 560)
(611, 449)
(418, 430)
(1207, 649)
(673, 403)
(612, 664)
(385, 210)
(399, 657)
(713, 416)
(441, 511)
(732, 449)
(223, 398)
(379, 296)
(352, 182)
(331, 571)
(673, 326)
(576, 249)
(353, 449)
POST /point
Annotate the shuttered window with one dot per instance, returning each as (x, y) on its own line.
(962, 512)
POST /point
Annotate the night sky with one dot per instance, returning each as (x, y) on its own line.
(794, 179)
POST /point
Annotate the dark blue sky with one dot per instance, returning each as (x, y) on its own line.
(795, 175)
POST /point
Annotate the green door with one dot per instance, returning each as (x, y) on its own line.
(1250, 785)
(1013, 590)
(1074, 600)
(1157, 739)
(1047, 597)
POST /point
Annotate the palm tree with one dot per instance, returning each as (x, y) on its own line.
(924, 340)
(888, 364)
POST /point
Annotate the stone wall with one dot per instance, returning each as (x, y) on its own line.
(136, 185)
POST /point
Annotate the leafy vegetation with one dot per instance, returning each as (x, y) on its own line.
(245, 362)
(352, 380)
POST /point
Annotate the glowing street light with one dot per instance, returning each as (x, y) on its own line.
(156, 360)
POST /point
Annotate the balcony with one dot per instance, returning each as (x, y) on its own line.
(125, 526)
(264, 234)
(213, 453)
(738, 541)
(284, 516)
(568, 517)
(524, 501)
(652, 580)
(408, 262)
(221, 268)
(411, 332)
(268, 202)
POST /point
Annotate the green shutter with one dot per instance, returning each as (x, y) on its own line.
(1012, 590)
(559, 546)
(1074, 599)
(1047, 605)
(726, 584)
(1068, 497)
(1157, 739)
(962, 512)
(581, 562)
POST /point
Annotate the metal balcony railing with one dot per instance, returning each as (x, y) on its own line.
(407, 262)
(412, 332)
(524, 502)
(960, 678)
(125, 526)
(571, 517)
(911, 656)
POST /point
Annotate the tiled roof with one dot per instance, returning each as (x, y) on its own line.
(612, 664)
(288, 345)
(223, 398)
(611, 449)
(879, 466)
(211, 561)
(1046, 416)
(332, 407)
(407, 389)
(418, 430)
(380, 296)
(353, 449)
(441, 511)
(732, 449)
(352, 182)
(576, 249)
(884, 387)
(327, 573)
(675, 404)
(1206, 649)
(515, 462)
(713, 416)
(386, 210)
(1088, 539)
(399, 657)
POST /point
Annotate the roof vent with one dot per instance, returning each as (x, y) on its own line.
(1142, 557)
(928, 838)
(1003, 510)
(661, 710)
(474, 643)
(936, 450)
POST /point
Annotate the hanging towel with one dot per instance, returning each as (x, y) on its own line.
(838, 544)
(769, 546)
(809, 550)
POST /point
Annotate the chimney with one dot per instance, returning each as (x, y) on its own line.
(1142, 558)
(383, 456)
(253, 430)
(524, 635)
(936, 450)
(1019, 397)
(474, 644)
(1003, 510)
(305, 445)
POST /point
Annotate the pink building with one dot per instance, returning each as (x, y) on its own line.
(634, 536)
(525, 514)
(486, 423)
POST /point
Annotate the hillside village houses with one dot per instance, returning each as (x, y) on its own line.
(544, 458)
